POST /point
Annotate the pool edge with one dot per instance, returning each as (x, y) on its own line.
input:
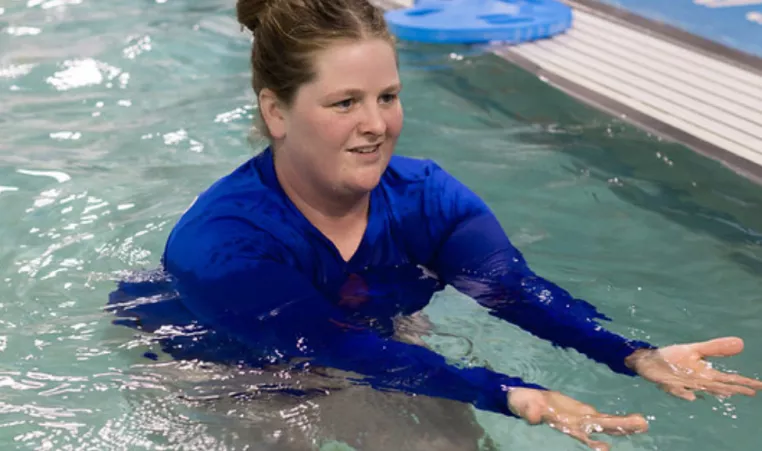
(641, 120)
(672, 33)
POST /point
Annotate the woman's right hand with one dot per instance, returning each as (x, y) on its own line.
(571, 417)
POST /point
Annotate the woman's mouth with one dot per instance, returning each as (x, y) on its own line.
(365, 149)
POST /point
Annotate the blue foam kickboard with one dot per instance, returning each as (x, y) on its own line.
(479, 21)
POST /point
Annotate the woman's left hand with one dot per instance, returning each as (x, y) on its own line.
(681, 369)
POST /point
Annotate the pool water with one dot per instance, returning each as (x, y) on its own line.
(114, 115)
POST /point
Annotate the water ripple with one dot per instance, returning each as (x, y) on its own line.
(59, 176)
(114, 115)
(87, 72)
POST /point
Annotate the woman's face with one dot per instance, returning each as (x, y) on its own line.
(340, 131)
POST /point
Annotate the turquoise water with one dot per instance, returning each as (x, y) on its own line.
(114, 115)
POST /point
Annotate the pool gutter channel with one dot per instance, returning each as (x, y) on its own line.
(663, 80)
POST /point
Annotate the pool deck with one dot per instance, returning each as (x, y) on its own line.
(672, 83)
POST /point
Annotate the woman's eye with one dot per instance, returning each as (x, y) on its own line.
(388, 98)
(344, 104)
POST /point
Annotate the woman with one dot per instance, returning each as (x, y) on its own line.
(309, 251)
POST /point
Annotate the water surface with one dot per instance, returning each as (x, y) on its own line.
(114, 115)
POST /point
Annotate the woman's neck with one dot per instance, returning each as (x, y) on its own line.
(341, 218)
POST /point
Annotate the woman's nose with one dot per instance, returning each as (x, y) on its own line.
(373, 121)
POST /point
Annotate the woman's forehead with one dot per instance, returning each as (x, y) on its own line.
(364, 58)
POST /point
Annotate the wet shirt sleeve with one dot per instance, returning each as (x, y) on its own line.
(235, 281)
(478, 259)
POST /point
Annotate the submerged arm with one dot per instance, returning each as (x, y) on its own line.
(478, 259)
(267, 305)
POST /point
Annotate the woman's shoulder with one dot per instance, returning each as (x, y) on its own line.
(410, 176)
(238, 210)
(411, 170)
(242, 194)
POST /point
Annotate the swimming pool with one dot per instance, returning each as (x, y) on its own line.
(114, 116)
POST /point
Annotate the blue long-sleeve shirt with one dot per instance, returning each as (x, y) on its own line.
(247, 266)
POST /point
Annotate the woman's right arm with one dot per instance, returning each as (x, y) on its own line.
(236, 286)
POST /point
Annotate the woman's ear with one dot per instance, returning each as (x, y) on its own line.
(273, 113)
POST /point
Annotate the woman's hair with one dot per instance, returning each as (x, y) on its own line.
(287, 34)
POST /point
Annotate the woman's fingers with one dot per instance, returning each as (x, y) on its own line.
(582, 427)
(719, 347)
(720, 389)
(735, 379)
(615, 425)
(686, 389)
(582, 436)
(573, 417)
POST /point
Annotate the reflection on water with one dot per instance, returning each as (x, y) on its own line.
(114, 115)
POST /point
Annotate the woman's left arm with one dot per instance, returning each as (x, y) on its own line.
(478, 259)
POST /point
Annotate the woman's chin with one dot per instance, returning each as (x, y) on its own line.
(364, 182)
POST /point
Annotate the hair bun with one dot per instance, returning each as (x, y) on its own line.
(250, 12)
